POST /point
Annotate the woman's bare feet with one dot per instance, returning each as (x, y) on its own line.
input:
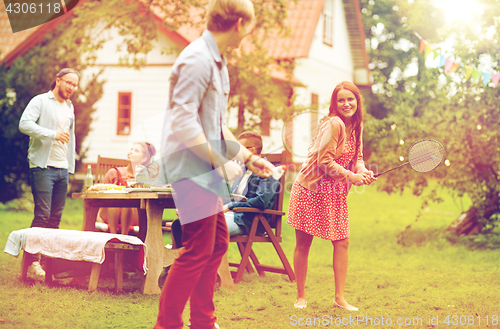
(300, 303)
(343, 304)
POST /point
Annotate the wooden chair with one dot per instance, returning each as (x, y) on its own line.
(104, 164)
(273, 233)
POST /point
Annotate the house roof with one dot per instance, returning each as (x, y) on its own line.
(8, 40)
(13, 45)
(302, 18)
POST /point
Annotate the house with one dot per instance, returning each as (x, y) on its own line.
(326, 41)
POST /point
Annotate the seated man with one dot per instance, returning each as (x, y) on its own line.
(258, 191)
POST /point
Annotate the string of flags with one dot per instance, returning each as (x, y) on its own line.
(450, 66)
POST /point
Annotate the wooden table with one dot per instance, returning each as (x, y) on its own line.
(150, 206)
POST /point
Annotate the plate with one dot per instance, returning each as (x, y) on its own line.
(115, 191)
(160, 189)
(136, 189)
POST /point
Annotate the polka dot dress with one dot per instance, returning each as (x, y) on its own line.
(323, 213)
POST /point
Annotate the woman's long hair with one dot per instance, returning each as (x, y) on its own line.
(356, 120)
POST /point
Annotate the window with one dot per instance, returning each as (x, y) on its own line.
(328, 23)
(124, 113)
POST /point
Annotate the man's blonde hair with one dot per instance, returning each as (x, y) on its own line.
(223, 14)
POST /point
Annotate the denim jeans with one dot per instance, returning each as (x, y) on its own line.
(233, 228)
(49, 187)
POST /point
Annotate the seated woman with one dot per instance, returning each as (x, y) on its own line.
(140, 159)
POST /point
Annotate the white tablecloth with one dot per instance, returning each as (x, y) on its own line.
(68, 244)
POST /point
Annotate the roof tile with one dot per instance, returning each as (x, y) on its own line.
(9, 40)
(302, 19)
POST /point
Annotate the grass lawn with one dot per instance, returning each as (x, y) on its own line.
(428, 283)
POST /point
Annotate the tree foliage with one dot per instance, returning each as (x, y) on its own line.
(428, 103)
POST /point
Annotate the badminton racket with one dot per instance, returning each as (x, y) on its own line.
(424, 156)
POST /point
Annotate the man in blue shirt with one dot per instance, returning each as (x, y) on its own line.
(196, 153)
(49, 121)
(258, 191)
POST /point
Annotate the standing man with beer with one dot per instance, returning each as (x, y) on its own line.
(49, 121)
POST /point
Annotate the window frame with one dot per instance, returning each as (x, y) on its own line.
(328, 22)
(120, 120)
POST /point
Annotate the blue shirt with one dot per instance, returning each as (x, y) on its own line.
(260, 193)
(198, 98)
(39, 121)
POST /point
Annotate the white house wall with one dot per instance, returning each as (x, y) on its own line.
(325, 66)
(320, 72)
(149, 88)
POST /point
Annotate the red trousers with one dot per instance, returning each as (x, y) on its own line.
(194, 272)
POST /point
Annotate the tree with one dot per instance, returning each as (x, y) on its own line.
(255, 93)
(462, 114)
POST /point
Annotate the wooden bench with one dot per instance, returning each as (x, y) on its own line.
(118, 248)
(78, 246)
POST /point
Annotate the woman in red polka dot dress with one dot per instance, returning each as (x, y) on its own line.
(318, 201)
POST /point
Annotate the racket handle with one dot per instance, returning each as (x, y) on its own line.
(404, 164)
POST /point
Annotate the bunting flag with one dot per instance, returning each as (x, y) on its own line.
(468, 72)
(495, 79)
(451, 67)
(486, 78)
(454, 67)
(475, 75)
(448, 65)
(427, 50)
(442, 60)
(422, 46)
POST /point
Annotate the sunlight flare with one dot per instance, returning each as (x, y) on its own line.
(459, 10)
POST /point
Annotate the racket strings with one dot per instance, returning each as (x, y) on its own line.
(425, 156)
